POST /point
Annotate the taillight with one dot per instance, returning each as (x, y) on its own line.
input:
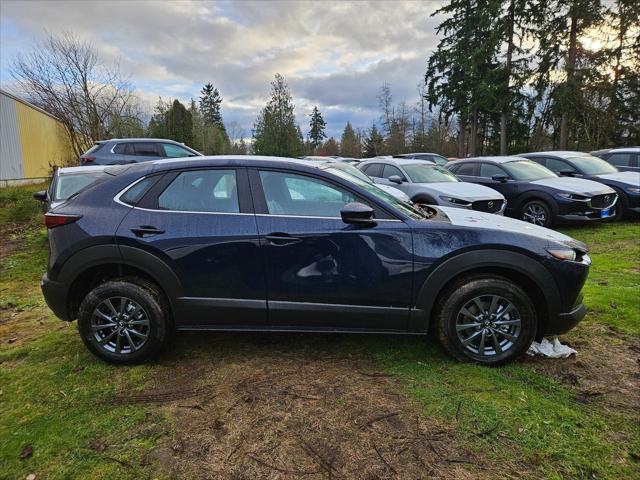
(52, 220)
(88, 159)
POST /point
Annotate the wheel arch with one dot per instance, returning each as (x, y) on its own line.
(536, 195)
(94, 265)
(523, 270)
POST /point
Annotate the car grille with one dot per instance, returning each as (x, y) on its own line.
(491, 206)
(603, 201)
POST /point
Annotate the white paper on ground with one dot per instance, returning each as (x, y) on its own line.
(550, 349)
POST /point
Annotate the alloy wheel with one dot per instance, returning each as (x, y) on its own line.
(536, 214)
(488, 325)
(120, 325)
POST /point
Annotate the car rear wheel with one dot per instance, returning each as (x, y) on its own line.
(486, 319)
(537, 212)
(123, 322)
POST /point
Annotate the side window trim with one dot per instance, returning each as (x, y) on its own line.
(260, 202)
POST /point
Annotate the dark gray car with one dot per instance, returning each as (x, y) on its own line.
(119, 151)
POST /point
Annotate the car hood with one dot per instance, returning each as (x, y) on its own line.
(399, 194)
(631, 178)
(574, 185)
(464, 190)
(476, 219)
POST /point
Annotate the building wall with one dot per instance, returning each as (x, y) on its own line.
(33, 142)
(10, 147)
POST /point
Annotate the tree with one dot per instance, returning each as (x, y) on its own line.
(316, 128)
(65, 76)
(275, 131)
(349, 143)
(330, 147)
(210, 106)
(179, 123)
(373, 143)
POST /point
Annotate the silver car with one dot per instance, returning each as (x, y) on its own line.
(429, 184)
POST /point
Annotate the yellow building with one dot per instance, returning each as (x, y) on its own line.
(32, 142)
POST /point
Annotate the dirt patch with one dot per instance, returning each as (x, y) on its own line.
(605, 370)
(10, 239)
(302, 411)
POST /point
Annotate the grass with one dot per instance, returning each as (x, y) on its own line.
(55, 396)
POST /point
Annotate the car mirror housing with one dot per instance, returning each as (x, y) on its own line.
(395, 179)
(356, 213)
(41, 196)
(500, 178)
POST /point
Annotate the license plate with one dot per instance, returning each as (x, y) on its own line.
(605, 213)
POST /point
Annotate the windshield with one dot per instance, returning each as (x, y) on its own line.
(527, 170)
(381, 195)
(67, 185)
(425, 173)
(592, 165)
(350, 169)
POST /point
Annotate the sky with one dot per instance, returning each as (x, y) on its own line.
(335, 55)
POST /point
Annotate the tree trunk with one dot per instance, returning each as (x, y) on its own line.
(507, 98)
(473, 141)
(461, 134)
(570, 69)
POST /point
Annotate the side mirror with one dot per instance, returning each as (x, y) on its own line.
(500, 178)
(567, 173)
(41, 196)
(395, 179)
(356, 213)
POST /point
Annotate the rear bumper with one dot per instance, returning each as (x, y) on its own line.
(55, 294)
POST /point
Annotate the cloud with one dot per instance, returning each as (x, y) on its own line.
(334, 54)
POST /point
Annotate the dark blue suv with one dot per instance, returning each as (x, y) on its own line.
(268, 244)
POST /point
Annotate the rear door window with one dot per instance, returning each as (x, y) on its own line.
(124, 149)
(373, 170)
(469, 169)
(146, 149)
(210, 190)
(621, 159)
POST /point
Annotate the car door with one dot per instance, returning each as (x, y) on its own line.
(200, 222)
(322, 273)
(623, 161)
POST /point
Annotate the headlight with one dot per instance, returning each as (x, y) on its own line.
(633, 190)
(574, 196)
(455, 201)
(563, 253)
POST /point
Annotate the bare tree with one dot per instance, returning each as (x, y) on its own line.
(65, 76)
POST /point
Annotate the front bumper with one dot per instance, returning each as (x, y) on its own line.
(580, 211)
(55, 294)
(565, 321)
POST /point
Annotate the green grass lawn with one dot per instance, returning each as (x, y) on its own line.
(55, 396)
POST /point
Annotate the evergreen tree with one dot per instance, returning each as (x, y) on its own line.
(374, 143)
(179, 123)
(316, 130)
(275, 131)
(330, 147)
(210, 103)
(349, 143)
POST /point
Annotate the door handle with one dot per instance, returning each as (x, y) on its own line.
(146, 230)
(279, 238)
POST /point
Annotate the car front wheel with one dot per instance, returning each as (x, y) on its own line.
(486, 319)
(123, 322)
(537, 212)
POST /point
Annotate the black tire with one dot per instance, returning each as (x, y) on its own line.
(153, 321)
(621, 206)
(484, 287)
(540, 208)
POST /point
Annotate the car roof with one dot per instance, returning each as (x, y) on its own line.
(400, 161)
(87, 169)
(625, 150)
(165, 140)
(559, 153)
(496, 159)
(400, 155)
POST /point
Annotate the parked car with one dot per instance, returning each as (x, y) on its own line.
(67, 181)
(340, 168)
(428, 184)
(260, 244)
(624, 159)
(584, 166)
(119, 151)
(432, 157)
(537, 195)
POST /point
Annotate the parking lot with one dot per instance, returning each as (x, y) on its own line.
(234, 405)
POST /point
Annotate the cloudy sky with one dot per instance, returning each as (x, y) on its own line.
(333, 54)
